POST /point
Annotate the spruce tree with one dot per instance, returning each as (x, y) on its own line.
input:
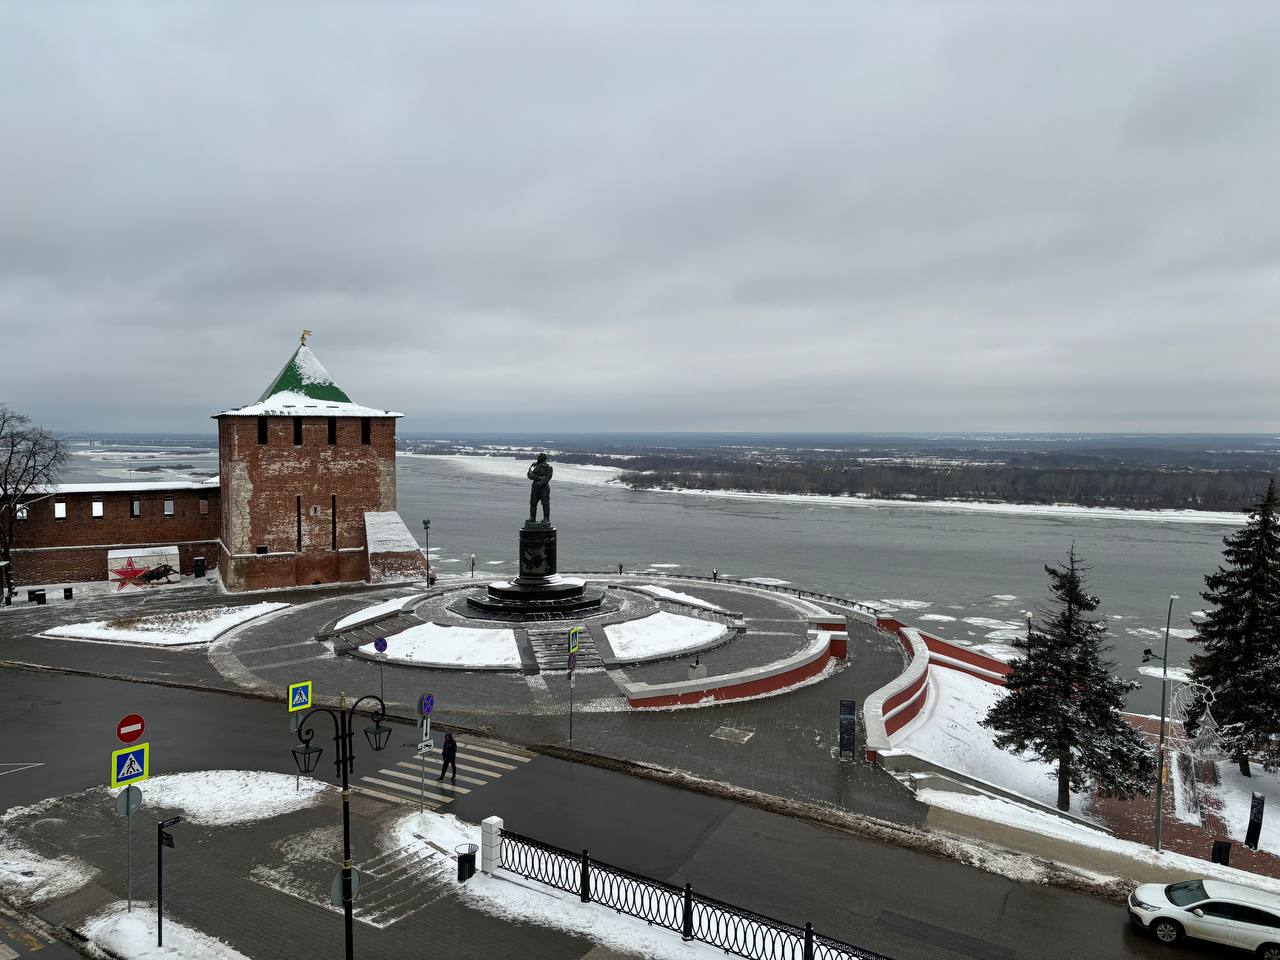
(1241, 639)
(1064, 705)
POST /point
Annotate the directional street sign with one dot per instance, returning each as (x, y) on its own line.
(425, 704)
(299, 695)
(380, 644)
(128, 801)
(166, 838)
(131, 765)
(170, 821)
(130, 728)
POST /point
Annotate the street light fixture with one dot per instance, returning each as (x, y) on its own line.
(306, 755)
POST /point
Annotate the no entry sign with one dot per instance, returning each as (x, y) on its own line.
(130, 728)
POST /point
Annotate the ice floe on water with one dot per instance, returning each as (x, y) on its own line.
(1147, 633)
(936, 617)
(907, 604)
(987, 623)
(1006, 597)
(767, 581)
(663, 566)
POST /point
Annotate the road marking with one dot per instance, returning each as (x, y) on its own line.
(399, 786)
(505, 754)
(439, 784)
(491, 774)
(19, 767)
(408, 765)
(485, 760)
(7, 952)
(391, 798)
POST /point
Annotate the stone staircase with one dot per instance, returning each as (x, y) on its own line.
(552, 650)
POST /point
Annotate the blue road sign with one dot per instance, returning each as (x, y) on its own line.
(299, 695)
(380, 644)
(425, 704)
(131, 765)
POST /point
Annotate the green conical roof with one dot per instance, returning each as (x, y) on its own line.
(305, 374)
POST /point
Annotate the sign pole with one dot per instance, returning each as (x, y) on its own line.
(159, 884)
(129, 857)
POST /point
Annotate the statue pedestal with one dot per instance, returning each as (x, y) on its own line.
(538, 592)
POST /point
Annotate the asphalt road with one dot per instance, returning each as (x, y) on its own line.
(903, 904)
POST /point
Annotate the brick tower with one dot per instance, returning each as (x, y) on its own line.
(299, 471)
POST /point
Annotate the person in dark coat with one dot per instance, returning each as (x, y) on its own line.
(449, 758)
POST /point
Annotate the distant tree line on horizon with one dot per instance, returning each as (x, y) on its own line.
(1092, 486)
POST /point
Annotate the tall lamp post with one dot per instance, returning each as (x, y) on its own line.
(1164, 709)
(307, 756)
(426, 536)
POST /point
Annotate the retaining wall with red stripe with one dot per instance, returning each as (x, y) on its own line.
(825, 645)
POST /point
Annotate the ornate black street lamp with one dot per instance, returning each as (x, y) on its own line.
(307, 756)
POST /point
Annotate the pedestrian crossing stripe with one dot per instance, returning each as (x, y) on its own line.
(299, 695)
(131, 765)
(397, 786)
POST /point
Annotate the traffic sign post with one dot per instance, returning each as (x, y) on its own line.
(127, 801)
(380, 645)
(573, 672)
(299, 696)
(163, 839)
(426, 703)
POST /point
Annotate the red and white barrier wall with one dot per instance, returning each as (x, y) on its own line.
(898, 702)
(828, 640)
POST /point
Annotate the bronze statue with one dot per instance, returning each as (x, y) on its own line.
(540, 473)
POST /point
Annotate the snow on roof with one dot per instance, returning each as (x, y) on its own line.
(307, 375)
(386, 533)
(119, 487)
(291, 404)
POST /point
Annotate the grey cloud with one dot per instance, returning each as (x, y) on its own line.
(698, 216)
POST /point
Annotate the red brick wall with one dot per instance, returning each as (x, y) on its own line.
(261, 484)
(47, 550)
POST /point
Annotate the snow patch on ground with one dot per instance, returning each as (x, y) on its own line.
(682, 597)
(948, 732)
(456, 647)
(218, 798)
(167, 629)
(369, 614)
(1233, 795)
(659, 634)
(385, 532)
(511, 897)
(31, 879)
(133, 936)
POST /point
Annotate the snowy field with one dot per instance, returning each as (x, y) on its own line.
(457, 647)
(369, 614)
(947, 732)
(661, 634)
(132, 936)
(167, 629)
(511, 897)
(220, 797)
(688, 598)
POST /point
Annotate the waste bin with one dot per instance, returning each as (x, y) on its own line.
(37, 596)
(466, 860)
(1222, 852)
(68, 593)
(197, 567)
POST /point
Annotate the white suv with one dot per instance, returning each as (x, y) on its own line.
(1210, 910)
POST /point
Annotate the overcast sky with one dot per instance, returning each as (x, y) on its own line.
(608, 216)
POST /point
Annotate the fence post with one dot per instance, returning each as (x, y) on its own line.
(686, 925)
(584, 883)
(808, 941)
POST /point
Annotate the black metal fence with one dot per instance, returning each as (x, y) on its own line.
(681, 910)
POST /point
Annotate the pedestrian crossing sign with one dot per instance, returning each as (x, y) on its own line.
(131, 765)
(573, 639)
(299, 695)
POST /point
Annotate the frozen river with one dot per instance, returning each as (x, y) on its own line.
(961, 573)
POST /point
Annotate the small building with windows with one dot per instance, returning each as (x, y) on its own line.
(305, 494)
(64, 533)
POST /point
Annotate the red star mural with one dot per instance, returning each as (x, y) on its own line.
(130, 575)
